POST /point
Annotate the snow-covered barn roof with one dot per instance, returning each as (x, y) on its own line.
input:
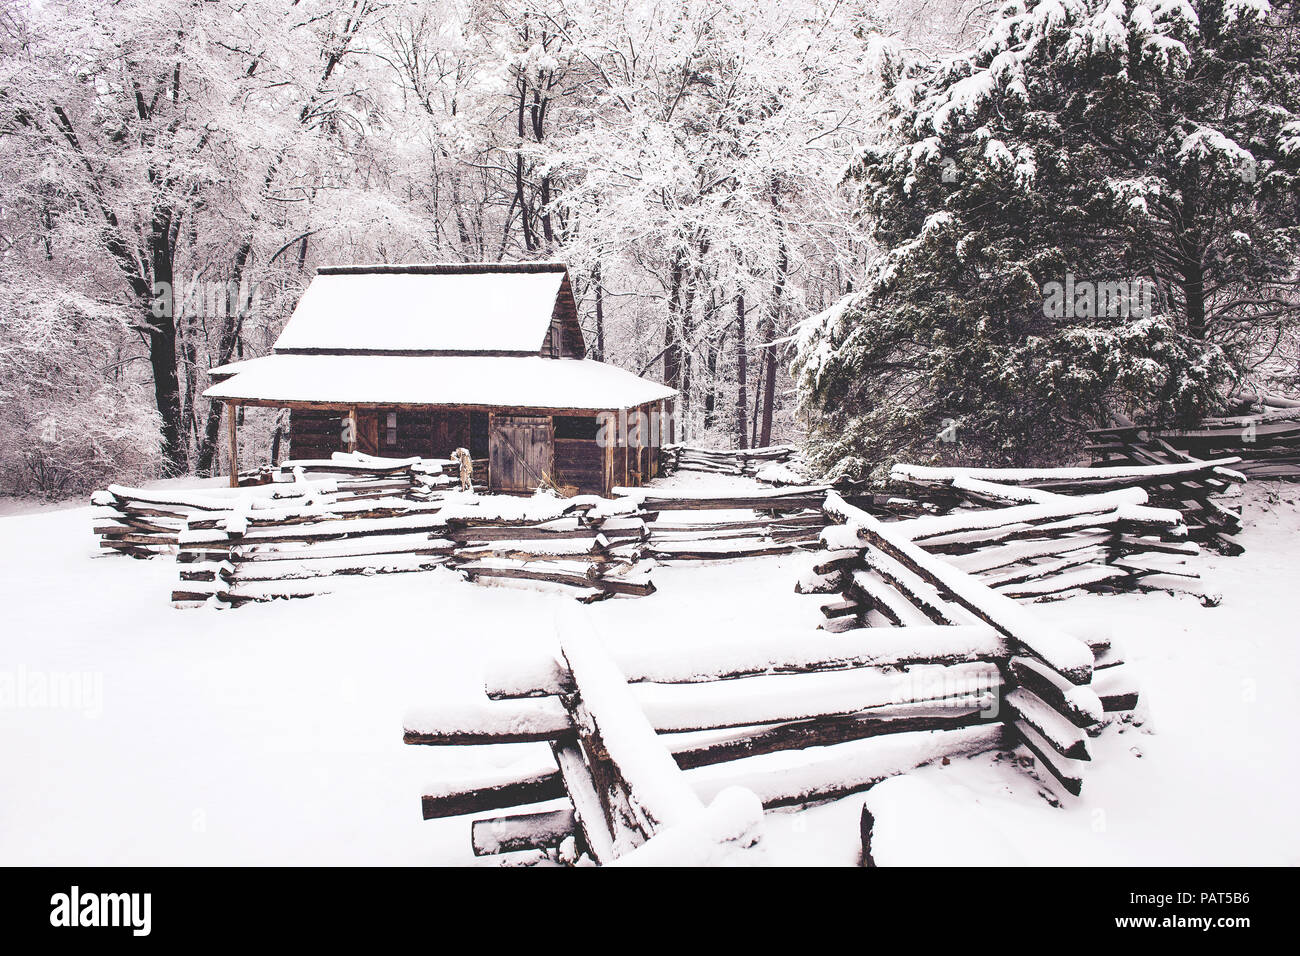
(488, 308)
(468, 380)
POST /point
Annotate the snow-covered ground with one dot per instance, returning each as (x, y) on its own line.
(272, 733)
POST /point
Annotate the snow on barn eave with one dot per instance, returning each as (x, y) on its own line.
(479, 381)
(431, 309)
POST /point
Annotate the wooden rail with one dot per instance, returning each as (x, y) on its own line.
(144, 522)
(952, 667)
(1263, 445)
(1028, 539)
(739, 461)
(313, 522)
(596, 547)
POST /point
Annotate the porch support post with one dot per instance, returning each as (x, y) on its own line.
(351, 445)
(232, 441)
(627, 447)
(607, 454)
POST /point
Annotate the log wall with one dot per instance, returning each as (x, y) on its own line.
(434, 433)
(421, 433)
(579, 463)
(315, 434)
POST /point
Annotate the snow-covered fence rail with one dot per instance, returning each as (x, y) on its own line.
(591, 546)
(1057, 688)
(782, 520)
(925, 661)
(285, 537)
(1034, 542)
(233, 558)
(1264, 434)
(1071, 480)
(237, 557)
(365, 475)
(597, 547)
(966, 670)
(845, 713)
(738, 461)
(644, 812)
(629, 802)
(143, 522)
(1199, 494)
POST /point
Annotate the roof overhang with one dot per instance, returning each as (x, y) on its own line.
(471, 381)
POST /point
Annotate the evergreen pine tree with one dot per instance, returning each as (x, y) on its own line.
(1081, 215)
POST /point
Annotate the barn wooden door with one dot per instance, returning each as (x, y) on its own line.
(521, 452)
(368, 431)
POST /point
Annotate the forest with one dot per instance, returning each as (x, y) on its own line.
(820, 221)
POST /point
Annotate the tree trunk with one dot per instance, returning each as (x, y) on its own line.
(769, 394)
(162, 344)
(742, 373)
(712, 351)
(672, 340)
(1192, 282)
(769, 351)
(710, 386)
(685, 355)
(276, 438)
(227, 341)
(525, 220)
(596, 282)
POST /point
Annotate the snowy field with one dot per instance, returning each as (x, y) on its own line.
(272, 733)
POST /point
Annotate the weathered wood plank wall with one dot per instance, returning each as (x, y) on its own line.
(630, 459)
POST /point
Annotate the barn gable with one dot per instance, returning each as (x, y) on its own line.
(564, 337)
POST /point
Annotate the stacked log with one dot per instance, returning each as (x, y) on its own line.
(1202, 496)
(142, 522)
(237, 556)
(628, 801)
(1058, 687)
(1034, 544)
(1038, 545)
(758, 536)
(1263, 431)
(935, 665)
(582, 547)
(770, 500)
(845, 715)
(738, 461)
(768, 522)
(360, 475)
(1265, 445)
(596, 547)
(1015, 529)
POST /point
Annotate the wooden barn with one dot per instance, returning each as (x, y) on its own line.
(407, 360)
